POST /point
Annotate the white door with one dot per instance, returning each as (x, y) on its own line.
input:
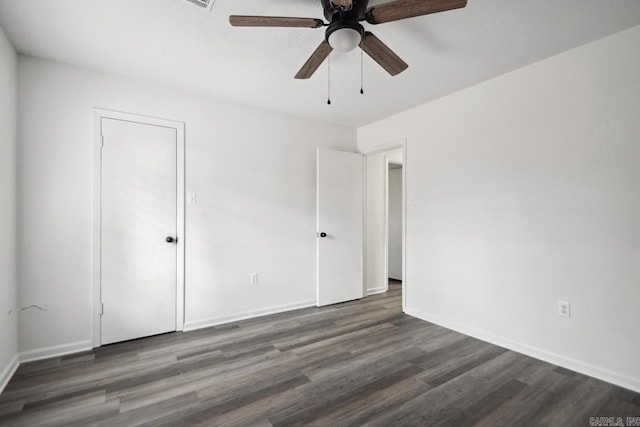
(139, 205)
(340, 227)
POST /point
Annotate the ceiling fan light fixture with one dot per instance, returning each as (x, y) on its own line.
(345, 39)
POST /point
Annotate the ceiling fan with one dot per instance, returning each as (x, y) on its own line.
(344, 31)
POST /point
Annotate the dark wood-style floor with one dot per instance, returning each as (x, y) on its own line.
(358, 363)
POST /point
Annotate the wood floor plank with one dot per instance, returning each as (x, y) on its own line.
(365, 408)
(154, 410)
(319, 405)
(352, 364)
(576, 404)
(475, 411)
(524, 406)
(256, 412)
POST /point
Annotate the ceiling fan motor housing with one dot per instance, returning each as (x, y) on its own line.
(355, 13)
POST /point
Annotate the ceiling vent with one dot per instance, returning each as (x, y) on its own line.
(205, 4)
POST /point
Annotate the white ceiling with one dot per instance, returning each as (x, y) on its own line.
(175, 43)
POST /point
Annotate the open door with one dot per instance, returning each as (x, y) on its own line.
(138, 230)
(340, 227)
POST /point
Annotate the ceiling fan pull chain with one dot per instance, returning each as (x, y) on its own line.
(361, 72)
(329, 80)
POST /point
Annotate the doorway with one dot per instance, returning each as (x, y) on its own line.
(139, 231)
(393, 223)
(385, 248)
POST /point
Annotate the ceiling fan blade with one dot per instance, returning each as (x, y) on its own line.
(381, 53)
(274, 21)
(403, 9)
(314, 61)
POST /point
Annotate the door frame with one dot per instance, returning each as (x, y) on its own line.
(392, 145)
(96, 296)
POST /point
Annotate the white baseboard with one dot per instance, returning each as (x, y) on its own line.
(54, 351)
(8, 372)
(376, 291)
(537, 353)
(205, 323)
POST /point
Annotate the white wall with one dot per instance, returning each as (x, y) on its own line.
(376, 277)
(8, 261)
(523, 191)
(395, 224)
(253, 172)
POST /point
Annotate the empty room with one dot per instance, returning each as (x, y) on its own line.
(320, 212)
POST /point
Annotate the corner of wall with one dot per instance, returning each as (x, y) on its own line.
(8, 371)
(8, 211)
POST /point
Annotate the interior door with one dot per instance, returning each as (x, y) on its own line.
(340, 227)
(138, 230)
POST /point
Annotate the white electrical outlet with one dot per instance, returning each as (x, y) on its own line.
(564, 309)
(253, 278)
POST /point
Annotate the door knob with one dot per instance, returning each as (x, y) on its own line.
(322, 234)
(171, 239)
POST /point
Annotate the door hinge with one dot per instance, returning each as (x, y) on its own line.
(101, 308)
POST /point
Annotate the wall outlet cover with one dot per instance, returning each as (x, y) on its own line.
(564, 309)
